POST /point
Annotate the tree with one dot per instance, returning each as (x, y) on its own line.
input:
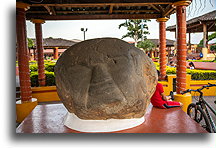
(213, 49)
(147, 45)
(210, 37)
(137, 29)
(30, 43)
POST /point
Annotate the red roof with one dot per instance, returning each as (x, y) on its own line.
(46, 51)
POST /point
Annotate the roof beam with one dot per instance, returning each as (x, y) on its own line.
(50, 10)
(193, 26)
(160, 8)
(209, 27)
(93, 17)
(102, 4)
(157, 9)
(91, 12)
(111, 9)
(168, 10)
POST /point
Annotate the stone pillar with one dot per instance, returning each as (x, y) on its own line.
(181, 45)
(40, 54)
(23, 54)
(162, 46)
(55, 53)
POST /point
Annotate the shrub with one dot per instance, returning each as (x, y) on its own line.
(201, 61)
(50, 67)
(202, 74)
(195, 74)
(170, 70)
(48, 61)
(157, 65)
(34, 79)
(50, 79)
(32, 62)
(33, 67)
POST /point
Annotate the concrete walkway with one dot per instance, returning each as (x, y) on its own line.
(203, 65)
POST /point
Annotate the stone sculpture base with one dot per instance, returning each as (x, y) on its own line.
(110, 125)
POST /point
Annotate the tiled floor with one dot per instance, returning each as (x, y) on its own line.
(48, 118)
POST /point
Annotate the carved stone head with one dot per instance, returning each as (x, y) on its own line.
(105, 78)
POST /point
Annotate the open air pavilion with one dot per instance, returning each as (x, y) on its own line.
(201, 24)
(40, 120)
(53, 47)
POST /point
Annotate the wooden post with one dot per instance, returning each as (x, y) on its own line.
(204, 35)
(39, 45)
(55, 53)
(162, 46)
(23, 55)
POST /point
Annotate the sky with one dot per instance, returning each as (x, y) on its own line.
(109, 28)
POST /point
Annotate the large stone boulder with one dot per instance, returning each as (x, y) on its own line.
(105, 78)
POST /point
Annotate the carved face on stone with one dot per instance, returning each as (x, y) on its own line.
(105, 78)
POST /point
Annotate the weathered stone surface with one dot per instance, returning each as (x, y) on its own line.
(105, 78)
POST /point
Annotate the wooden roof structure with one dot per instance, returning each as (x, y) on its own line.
(168, 42)
(56, 42)
(98, 9)
(196, 24)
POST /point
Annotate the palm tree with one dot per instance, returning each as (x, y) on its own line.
(137, 29)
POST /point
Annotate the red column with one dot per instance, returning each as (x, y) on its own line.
(55, 54)
(40, 53)
(23, 55)
(181, 45)
(162, 46)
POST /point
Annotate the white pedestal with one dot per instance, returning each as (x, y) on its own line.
(110, 125)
